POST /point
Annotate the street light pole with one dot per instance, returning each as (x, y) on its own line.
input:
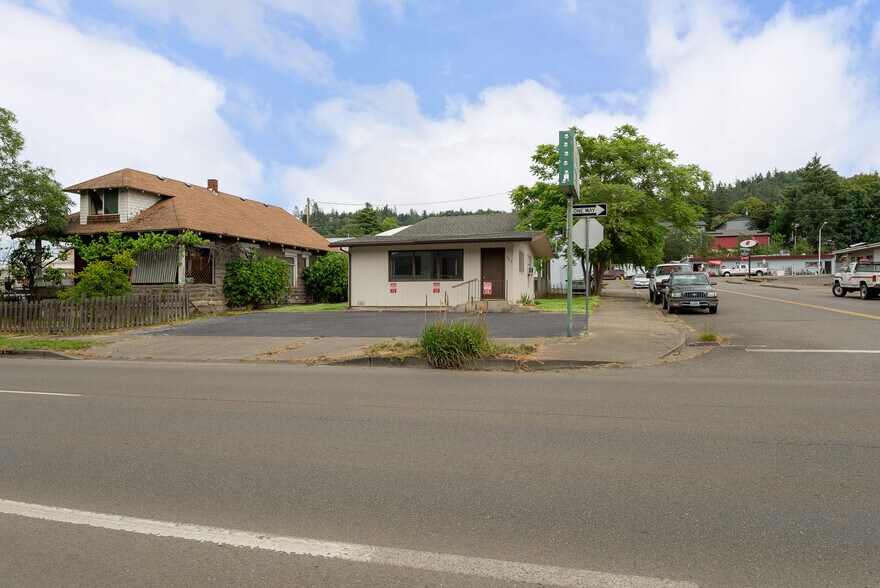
(819, 261)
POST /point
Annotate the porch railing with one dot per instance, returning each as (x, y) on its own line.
(478, 289)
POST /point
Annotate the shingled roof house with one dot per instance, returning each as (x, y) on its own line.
(132, 202)
(446, 261)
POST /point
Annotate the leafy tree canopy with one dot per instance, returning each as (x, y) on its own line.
(29, 194)
(106, 246)
(646, 190)
(808, 204)
(108, 277)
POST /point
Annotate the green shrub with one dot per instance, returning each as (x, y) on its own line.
(102, 278)
(326, 279)
(450, 345)
(256, 280)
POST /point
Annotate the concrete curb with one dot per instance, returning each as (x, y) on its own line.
(508, 365)
(39, 353)
(780, 287)
(681, 344)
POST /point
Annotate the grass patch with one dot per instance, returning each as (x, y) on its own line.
(28, 344)
(707, 334)
(449, 345)
(393, 348)
(507, 351)
(561, 304)
(309, 307)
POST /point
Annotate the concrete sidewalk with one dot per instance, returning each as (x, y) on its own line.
(624, 330)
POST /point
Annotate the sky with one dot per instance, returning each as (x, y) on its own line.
(432, 104)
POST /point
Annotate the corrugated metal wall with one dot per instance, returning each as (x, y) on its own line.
(155, 267)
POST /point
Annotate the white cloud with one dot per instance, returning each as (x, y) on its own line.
(88, 106)
(242, 27)
(53, 7)
(737, 104)
(257, 28)
(732, 97)
(386, 151)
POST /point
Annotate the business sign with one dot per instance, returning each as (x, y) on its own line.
(589, 210)
(748, 243)
(569, 163)
(393, 287)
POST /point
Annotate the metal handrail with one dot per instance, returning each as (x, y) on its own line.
(464, 283)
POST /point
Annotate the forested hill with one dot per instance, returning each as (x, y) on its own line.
(768, 187)
(369, 220)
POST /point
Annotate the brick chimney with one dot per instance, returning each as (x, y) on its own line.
(212, 186)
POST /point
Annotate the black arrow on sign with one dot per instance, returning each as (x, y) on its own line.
(589, 210)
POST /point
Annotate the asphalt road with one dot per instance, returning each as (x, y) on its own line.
(699, 471)
(775, 318)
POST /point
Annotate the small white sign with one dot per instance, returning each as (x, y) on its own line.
(748, 243)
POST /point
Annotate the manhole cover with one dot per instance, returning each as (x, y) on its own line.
(704, 344)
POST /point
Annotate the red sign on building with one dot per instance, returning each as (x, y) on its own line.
(393, 287)
(436, 287)
(487, 288)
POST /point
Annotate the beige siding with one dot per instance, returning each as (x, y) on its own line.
(83, 208)
(520, 282)
(370, 284)
(132, 203)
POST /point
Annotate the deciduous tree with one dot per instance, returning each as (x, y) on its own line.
(29, 194)
(646, 190)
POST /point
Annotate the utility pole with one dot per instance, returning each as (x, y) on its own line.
(308, 212)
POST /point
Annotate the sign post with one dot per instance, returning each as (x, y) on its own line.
(588, 233)
(746, 252)
(570, 183)
(588, 211)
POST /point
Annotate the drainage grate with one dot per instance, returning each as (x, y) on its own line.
(704, 344)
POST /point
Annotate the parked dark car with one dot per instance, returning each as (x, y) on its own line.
(613, 274)
(689, 290)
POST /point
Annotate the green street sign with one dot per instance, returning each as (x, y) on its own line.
(569, 163)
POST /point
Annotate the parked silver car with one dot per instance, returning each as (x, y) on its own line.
(640, 281)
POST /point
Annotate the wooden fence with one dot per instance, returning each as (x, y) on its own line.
(92, 314)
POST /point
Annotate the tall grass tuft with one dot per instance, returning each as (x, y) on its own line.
(449, 345)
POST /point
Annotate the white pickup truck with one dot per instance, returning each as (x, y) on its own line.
(861, 276)
(742, 269)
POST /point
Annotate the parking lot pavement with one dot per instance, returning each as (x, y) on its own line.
(623, 330)
(359, 324)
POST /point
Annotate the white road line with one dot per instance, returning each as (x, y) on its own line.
(37, 393)
(419, 560)
(814, 350)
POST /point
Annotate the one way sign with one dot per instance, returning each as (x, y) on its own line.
(581, 210)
